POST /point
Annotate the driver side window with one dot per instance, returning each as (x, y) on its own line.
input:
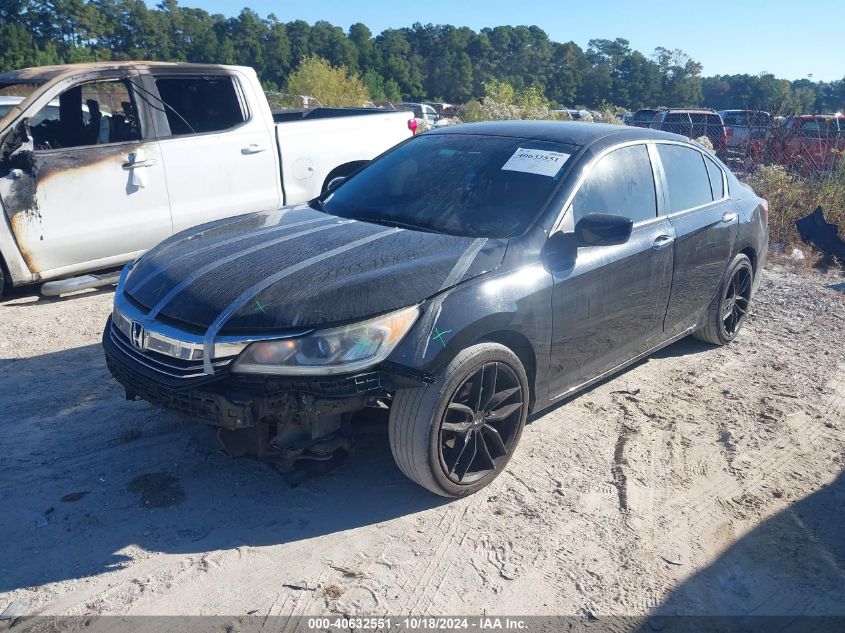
(621, 183)
(94, 113)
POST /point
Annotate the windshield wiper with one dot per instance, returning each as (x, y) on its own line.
(396, 223)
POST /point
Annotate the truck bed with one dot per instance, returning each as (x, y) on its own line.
(285, 116)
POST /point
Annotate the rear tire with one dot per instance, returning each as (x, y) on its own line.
(455, 436)
(726, 312)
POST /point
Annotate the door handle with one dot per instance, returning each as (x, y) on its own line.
(729, 217)
(136, 164)
(253, 149)
(662, 241)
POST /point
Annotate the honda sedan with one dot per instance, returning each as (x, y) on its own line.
(462, 280)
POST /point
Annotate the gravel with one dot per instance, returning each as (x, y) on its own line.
(703, 480)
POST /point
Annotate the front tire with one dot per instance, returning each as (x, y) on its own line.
(726, 312)
(455, 436)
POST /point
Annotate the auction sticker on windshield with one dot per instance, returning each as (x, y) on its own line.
(536, 161)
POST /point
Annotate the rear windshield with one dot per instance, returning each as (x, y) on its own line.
(736, 118)
(643, 115)
(460, 184)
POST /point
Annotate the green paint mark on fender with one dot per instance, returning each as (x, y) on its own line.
(438, 336)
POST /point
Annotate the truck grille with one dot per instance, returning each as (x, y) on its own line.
(167, 365)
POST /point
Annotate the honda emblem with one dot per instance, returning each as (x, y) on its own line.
(139, 336)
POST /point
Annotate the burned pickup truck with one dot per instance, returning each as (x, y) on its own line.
(99, 162)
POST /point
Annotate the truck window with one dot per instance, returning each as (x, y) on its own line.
(197, 105)
(93, 113)
(811, 128)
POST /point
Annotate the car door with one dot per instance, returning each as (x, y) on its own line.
(704, 221)
(98, 195)
(608, 302)
(219, 155)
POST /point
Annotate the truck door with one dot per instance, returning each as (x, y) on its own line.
(219, 155)
(93, 194)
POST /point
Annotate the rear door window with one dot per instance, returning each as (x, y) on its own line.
(717, 184)
(621, 183)
(197, 105)
(686, 177)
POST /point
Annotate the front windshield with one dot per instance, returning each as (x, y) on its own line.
(12, 93)
(460, 184)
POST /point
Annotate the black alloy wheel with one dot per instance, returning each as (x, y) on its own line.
(481, 423)
(735, 300)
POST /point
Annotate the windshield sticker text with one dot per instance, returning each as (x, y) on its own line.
(536, 161)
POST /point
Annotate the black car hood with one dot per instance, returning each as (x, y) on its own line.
(298, 267)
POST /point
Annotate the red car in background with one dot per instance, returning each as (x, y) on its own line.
(809, 143)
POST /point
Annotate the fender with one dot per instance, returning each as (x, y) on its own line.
(517, 302)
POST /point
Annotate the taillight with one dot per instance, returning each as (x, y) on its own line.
(764, 208)
(729, 132)
(412, 125)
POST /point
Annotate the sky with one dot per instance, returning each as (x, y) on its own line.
(787, 38)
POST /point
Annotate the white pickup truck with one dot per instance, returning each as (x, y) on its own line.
(99, 162)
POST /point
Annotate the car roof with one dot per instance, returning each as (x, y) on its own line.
(40, 74)
(690, 110)
(569, 132)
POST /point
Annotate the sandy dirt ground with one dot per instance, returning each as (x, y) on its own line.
(703, 480)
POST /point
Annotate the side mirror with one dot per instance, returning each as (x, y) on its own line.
(603, 229)
(335, 182)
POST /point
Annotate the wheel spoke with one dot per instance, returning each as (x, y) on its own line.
(743, 282)
(494, 441)
(475, 389)
(462, 409)
(456, 452)
(503, 412)
(489, 375)
(467, 456)
(501, 396)
(484, 451)
(456, 427)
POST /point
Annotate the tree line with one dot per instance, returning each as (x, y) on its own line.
(437, 62)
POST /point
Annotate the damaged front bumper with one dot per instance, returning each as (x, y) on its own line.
(271, 417)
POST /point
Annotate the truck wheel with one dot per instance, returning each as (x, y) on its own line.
(729, 306)
(456, 435)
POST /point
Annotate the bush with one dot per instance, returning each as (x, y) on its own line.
(791, 197)
(334, 87)
(472, 112)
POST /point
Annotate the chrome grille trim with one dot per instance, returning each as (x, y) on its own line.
(160, 363)
(171, 351)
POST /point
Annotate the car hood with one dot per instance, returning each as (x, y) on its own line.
(297, 267)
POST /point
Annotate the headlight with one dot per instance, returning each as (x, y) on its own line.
(334, 351)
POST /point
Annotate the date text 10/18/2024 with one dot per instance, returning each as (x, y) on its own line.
(421, 623)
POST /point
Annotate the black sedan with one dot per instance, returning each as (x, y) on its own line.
(464, 279)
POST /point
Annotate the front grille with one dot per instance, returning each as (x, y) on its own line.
(328, 387)
(204, 406)
(173, 367)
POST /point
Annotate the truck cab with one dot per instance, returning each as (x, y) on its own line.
(99, 162)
